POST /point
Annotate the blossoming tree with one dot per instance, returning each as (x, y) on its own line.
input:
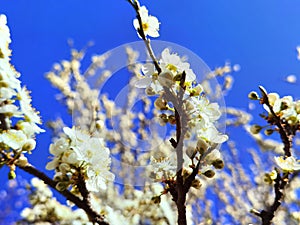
(107, 166)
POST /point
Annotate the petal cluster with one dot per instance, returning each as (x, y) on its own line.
(78, 151)
(288, 164)
(172, 66)
(286, 108)
(19, 120)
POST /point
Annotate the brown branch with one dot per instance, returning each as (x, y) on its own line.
(279, 185)
(280, 181)
(178, 144)
(93, 216)
(284, 134)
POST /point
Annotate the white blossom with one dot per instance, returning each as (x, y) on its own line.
(163, 166)
(13, 138)
(4, 37)
(288, 164)
(211, 134)
(25, 103)
(150, 24)
(173, 63)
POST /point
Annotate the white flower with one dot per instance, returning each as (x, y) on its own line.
(58, 148)
(99, 175)
(29, 145)
(69, 156)
(163, 166)
(96, 155)
(211, 134)
(283, 103)
(13, 138)
(91, 149)
(9, 75)
(52, 165)
(4, 37)
(6, 93)
(10, 110)
(202, 109)
(288, 164)
(77, 137)
(81, 150)
(29, 128)
(30, 113)
(150, 24)
(173, 63)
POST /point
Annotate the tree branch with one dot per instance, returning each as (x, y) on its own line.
(93, 216)
(286, 135)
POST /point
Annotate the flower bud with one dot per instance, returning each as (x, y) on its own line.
(172, 120)
(61, 186)
(22, 161)
(163, 119)
(58, 177)
(268, 131)
(267, 179)
(209, 173)
(150, 91)
(99, 124)
(218, 164)
(273, 174)
(253, 95)
(12, 175)
(202, 146)
(160, 104)
(29, 145)
(156, 199)
(255, 129)
(64, 168)
(185, 173)
(191, 152)
(196, 184)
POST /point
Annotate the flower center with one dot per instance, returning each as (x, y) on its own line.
(171, 67)
(145, 26)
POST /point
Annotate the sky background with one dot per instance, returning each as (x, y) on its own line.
(260, 36)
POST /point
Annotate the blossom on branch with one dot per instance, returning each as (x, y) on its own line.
(150, 24)
(16, 134)
(288, 164)
(172, 66)
(78, 151)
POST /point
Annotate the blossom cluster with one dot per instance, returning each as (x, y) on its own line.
(78, 152)
(172, 79)
(19, 120)
(285, 111)
(201, 112)
(47, 208)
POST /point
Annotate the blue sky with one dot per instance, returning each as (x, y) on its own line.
(259, 35)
